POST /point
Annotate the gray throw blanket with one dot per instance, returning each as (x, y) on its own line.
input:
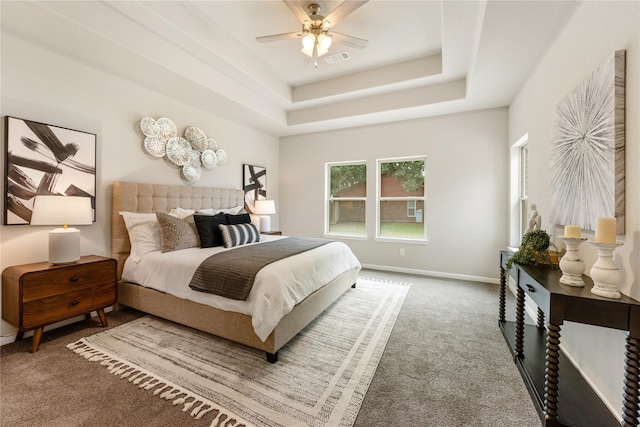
(231, 273)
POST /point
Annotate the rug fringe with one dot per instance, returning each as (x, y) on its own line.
(198, 406)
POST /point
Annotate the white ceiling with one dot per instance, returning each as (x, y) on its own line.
(424, 58)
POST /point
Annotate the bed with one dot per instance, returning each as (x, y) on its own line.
(204, 315)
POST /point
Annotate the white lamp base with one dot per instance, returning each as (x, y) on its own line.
(255, 220)
(64, 245)
(265, 223)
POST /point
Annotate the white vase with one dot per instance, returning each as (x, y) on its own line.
(605, 274)
(571, 264)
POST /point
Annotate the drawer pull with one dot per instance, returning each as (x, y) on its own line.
(74, 279)
(531, 288)
(74, 303)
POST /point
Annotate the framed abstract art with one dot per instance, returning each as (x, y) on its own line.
(588, 148)
(43, 159)
(254, 180)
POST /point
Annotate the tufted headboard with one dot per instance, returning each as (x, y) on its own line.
(136, 197)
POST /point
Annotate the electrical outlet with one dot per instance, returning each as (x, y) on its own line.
(401, 251)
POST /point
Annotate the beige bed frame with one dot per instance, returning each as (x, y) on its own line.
(136, 197)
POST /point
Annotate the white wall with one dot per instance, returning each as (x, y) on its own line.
(596, 30)
(466, 188)
(40, 85)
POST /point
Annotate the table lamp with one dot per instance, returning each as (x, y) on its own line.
(64, 243)
(264, 208)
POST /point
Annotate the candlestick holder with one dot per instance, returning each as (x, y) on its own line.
(605, 274)
(571, 264)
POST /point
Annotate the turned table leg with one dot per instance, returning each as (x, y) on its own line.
(540, 324)
(519, 350)
(19, 336)
(503, 296)
(631, 396)
(551, 375)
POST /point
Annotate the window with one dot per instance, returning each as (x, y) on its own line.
(524, 187)
(346, 185)
(401, 197)
(411, 208)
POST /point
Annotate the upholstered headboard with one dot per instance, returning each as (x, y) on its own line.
(136, 197)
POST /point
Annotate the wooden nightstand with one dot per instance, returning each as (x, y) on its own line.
(37, 295)
(272, 233)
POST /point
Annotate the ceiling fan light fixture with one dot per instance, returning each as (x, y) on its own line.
(308, 41)
(324, 42)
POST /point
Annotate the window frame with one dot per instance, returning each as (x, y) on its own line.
(329, 199)
(379, 199)
(523, 186)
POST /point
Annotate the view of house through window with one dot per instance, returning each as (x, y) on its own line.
(347, 199)
(401, 197)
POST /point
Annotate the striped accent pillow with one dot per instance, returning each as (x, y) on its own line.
(240, 234)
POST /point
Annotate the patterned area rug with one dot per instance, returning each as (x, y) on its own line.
(320, 379)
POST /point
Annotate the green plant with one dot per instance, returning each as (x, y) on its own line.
(534, 249)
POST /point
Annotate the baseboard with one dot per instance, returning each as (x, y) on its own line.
(432, 273)
(8, 339)
(616, 411)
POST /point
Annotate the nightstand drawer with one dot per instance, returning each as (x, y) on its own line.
(42, 284)
(58, 307)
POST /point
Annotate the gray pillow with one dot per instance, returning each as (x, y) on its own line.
(177, 233)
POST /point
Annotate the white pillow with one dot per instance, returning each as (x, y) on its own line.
(212, 211)
(144, 233)
(181, 213)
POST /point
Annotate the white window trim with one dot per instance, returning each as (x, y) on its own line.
(378, 238)
(514, 191)
(328, 199)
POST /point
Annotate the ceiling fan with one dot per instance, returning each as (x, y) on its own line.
(316, 38)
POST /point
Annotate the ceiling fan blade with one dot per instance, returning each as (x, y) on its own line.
(297, 10)
(349, 40)
(344, 9)
(277, 37)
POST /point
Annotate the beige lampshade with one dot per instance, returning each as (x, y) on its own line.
(64, 243)
(264, 207)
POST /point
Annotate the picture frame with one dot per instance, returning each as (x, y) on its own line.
(587, 154)
(254, 184)
(43, 159)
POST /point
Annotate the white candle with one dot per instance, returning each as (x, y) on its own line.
(605, 229)
(572, 231)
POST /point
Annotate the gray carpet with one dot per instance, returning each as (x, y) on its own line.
(446, 364)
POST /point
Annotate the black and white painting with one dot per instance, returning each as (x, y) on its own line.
(254, 180)
(588, 149)
(46, 160)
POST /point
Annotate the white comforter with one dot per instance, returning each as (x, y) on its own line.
(278, 287)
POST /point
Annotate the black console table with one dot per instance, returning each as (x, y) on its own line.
(574, 403)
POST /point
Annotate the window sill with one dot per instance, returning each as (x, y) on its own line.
(344, 236)
(402, 240)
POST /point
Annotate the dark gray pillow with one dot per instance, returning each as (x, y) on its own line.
(238, 219)
(207, 226)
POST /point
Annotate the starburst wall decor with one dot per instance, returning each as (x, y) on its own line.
(587, 149)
